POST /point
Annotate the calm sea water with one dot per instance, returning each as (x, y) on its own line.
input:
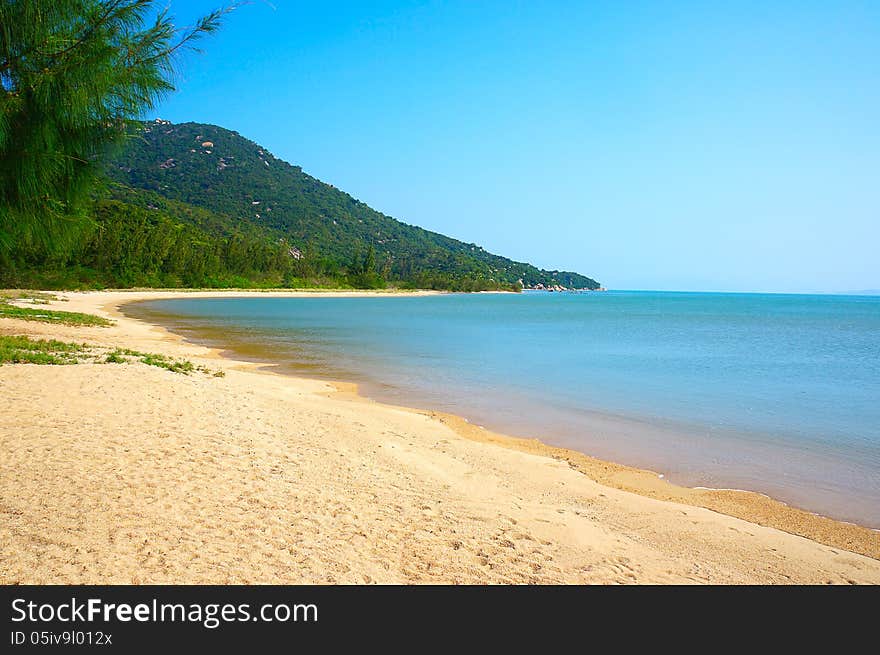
(773, 393)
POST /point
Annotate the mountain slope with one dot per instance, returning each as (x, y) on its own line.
(246, 189)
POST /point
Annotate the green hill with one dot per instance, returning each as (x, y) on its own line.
(199, 205)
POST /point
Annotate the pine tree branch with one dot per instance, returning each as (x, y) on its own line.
(205, 25)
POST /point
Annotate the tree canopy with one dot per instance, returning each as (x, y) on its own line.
(73, 74)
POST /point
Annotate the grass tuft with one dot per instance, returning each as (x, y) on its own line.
(51, 316)
(23, 350)
(125, 355)
(115, 357)
(36, 297)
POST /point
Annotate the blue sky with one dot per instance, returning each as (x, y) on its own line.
(651, 145)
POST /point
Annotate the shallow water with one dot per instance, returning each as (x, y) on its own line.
(773, 393)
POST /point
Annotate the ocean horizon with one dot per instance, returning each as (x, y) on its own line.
(774, 393)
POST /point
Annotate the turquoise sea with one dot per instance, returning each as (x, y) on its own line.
(773, 393)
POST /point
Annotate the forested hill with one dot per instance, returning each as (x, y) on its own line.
(225, 186)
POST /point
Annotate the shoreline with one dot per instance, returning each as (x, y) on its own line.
(757, 510)
(749, 505)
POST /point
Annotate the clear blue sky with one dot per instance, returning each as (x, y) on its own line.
(651, 145)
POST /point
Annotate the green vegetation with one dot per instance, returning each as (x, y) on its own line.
(23, 350)
(34, 297)
(115, 357)
(124, 356)
(73, 75)
(37, 313)
(51, 316)
(177, 213)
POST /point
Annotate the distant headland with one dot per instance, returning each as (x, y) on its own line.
(195, 205)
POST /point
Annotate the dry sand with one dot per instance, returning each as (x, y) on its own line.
(120, 473)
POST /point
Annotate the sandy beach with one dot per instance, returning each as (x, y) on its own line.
(129, 473)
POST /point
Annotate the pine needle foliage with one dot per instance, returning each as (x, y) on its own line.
(73, 75)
